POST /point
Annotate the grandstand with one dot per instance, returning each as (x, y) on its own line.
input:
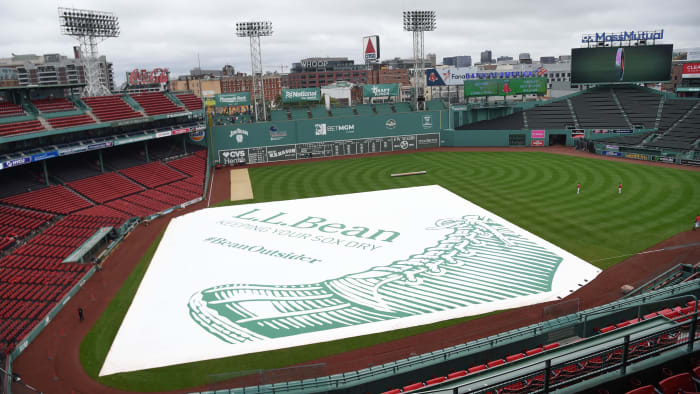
(109, 108)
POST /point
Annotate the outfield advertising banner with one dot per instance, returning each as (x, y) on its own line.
(232, 99)
(519, 86)
(290, 273)
(264, 154)
(301, 95)
(621, 64)
(380, 90)
(486, 87)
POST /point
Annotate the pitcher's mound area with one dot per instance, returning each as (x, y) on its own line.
(250, 278)
(241, 189)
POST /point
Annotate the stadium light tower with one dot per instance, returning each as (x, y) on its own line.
(89, 28)
(418, 22)
(255, 30)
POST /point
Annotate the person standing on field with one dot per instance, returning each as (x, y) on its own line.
(619, 188)
(697, 222)
(578, 188)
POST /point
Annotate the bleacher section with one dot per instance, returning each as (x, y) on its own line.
(596, 109)
(384, 108)
(152, 174)
(70, 121)
(640, 105)
(682, 135)
(105, 187)
(510, 122)
(18, 223)
(54, 199)
(277, 115)
(155, 103)
(402, 107)
(53, 105)
(109, 108)
(434, 105)
(674, 110)
(319, 112)
(342, 111)
(299, 113)
(364, 109)
(9, 109)
(555, 115)
(28, 126)
(33, 278)
(192, 102)
(625, 139)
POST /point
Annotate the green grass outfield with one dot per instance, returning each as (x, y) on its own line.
(536, 191)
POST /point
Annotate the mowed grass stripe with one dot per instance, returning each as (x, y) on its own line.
(536, 191)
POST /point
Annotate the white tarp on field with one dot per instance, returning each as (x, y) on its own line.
(250, 278)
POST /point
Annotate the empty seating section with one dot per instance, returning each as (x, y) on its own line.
(626, 139)
(319, 112)
(109, 108)
(510, 122)
(402, 107)
(27, 126)
(596, 109)
(193, 166)
(342, 111)
(299, 113)
(155, 103)
(672, 111)
(152, 174)
(105, 187)
(9, 109)
(684, 134)
(33, 277)
(277, 115)
(555, 115)
(17, 223)
(70, 121)
(191, 101)
(53, 105)
(641, 106)
(55, 199)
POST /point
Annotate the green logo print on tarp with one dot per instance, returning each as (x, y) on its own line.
(478, 261)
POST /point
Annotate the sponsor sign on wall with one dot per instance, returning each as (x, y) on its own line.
(145, 77)
(328, 149)
(300, 95)
(537, 134)
(162, 134)
(578, 133)
(16, 162)
(198, 135)
(45, 155)
(232, 99)
(691, 70)
(611, 153)
(380, 90)
(537, 142)
(370, 48)
(342, 266)
(456, 76)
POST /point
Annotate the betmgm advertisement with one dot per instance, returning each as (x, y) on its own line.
(621, 64)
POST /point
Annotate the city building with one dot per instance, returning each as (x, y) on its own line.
(316, 79)
(430, 61)
(524, 58)
(501, 59)
(318, 64)
(457, 61)
(399, 75)
(272, 85)
(8, 77)
(54, 69)
(200, 87)
(486, 57)
(547, 60)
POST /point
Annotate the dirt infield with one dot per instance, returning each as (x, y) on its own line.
(52, 363)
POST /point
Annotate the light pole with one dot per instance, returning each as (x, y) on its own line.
(418, 22)
(255, 30)
(89, 28)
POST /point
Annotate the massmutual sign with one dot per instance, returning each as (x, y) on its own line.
(623, 36)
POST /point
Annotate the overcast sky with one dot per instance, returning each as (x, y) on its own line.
(171, 33)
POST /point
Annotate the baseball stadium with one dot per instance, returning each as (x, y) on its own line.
(512, 242)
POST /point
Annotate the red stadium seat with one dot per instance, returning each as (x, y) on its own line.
(437, 380)
(496, 363)
(477, 368)
(457, 374)
(649, 389)
(514, 357)
(675, 383)
(606, 329)
(413, 386)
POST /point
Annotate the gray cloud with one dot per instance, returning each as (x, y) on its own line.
(171, 34)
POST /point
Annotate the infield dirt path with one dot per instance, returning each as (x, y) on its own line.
(51, 363)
